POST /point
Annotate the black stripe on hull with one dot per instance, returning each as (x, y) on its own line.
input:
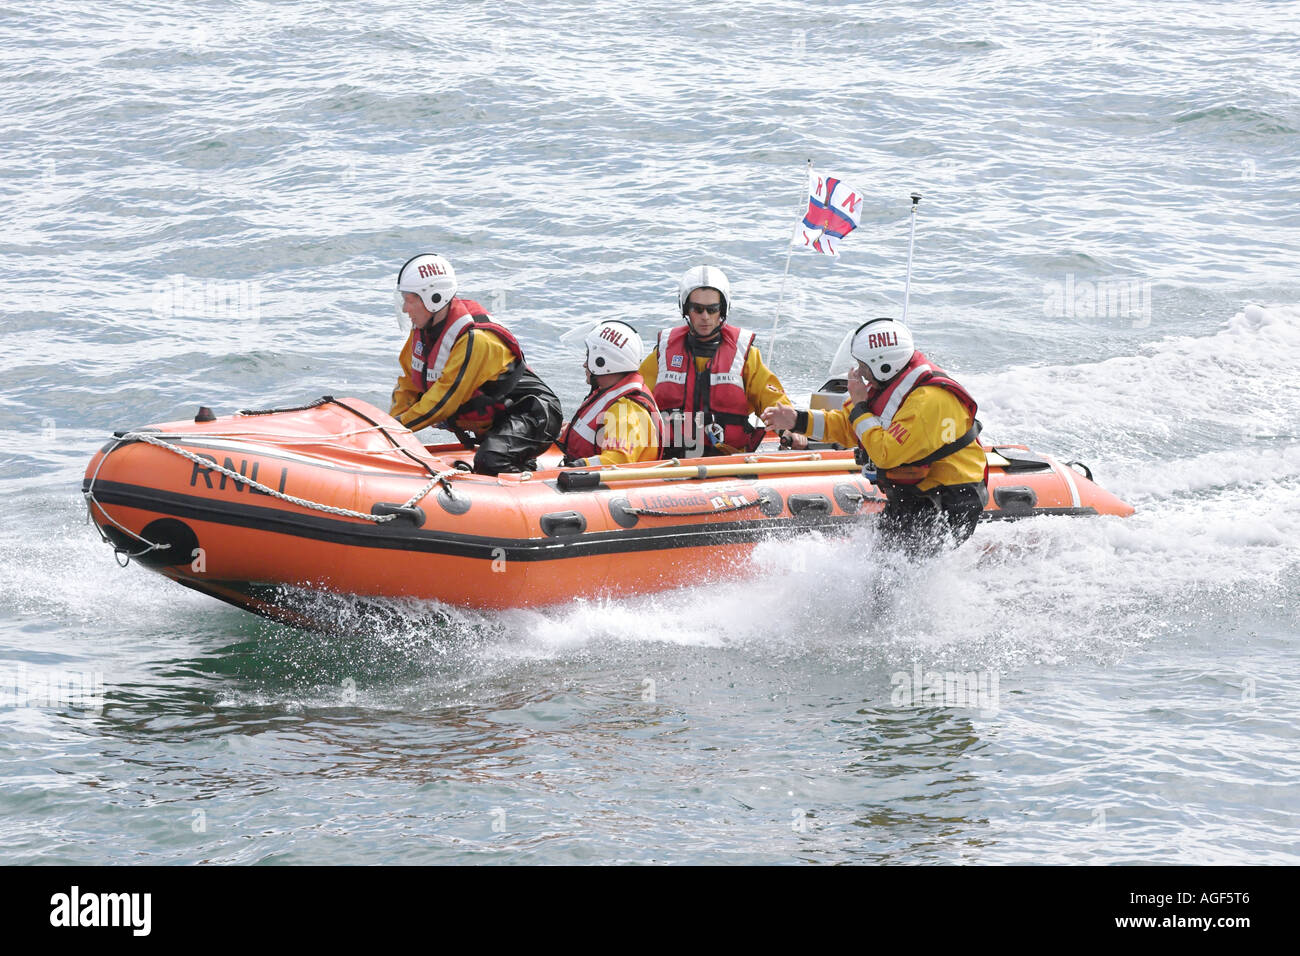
(398, 536)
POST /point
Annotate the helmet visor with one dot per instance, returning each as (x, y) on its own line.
(399, 303)
(843, 362)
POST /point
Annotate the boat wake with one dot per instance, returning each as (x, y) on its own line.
(1219, 505)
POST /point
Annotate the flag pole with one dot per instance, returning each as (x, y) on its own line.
(771, 345)
(907, 286)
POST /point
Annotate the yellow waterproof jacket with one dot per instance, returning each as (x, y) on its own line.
(477, 358)
(929, 418)
(628, 435)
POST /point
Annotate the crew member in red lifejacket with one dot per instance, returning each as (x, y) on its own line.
(618, 422)
(463, 372)
(707, 375)
(918, 427)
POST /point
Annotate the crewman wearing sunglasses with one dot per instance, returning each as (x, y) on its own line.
(707, 375)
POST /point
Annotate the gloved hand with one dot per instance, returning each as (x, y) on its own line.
(567, 462)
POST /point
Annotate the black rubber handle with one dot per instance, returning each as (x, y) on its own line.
(809, 504)
(578, 480)
(414, 515)
(559, 523)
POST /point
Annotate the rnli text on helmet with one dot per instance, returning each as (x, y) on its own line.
(881, 340)
(610, 335)
(431, 269)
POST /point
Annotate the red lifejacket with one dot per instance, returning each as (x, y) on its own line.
(884, 404)
(581, 436)
(432, 347)
(686, 407)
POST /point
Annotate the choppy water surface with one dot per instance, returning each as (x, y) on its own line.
(207, 203)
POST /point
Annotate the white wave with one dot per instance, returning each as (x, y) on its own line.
(66, 573)
(1188, 390)
(1273, 470)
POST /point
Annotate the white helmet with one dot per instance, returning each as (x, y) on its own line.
(614, 347)
(704, 277)
(430, 277)
(884, 346)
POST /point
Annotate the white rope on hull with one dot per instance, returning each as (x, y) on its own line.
(442, 477)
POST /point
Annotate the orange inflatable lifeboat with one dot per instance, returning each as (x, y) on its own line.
(337, 496)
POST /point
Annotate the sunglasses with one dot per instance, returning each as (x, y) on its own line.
(700, 309)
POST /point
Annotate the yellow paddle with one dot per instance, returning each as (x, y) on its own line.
(585, 480)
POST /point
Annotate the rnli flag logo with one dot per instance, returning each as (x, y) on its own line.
(676, 362)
